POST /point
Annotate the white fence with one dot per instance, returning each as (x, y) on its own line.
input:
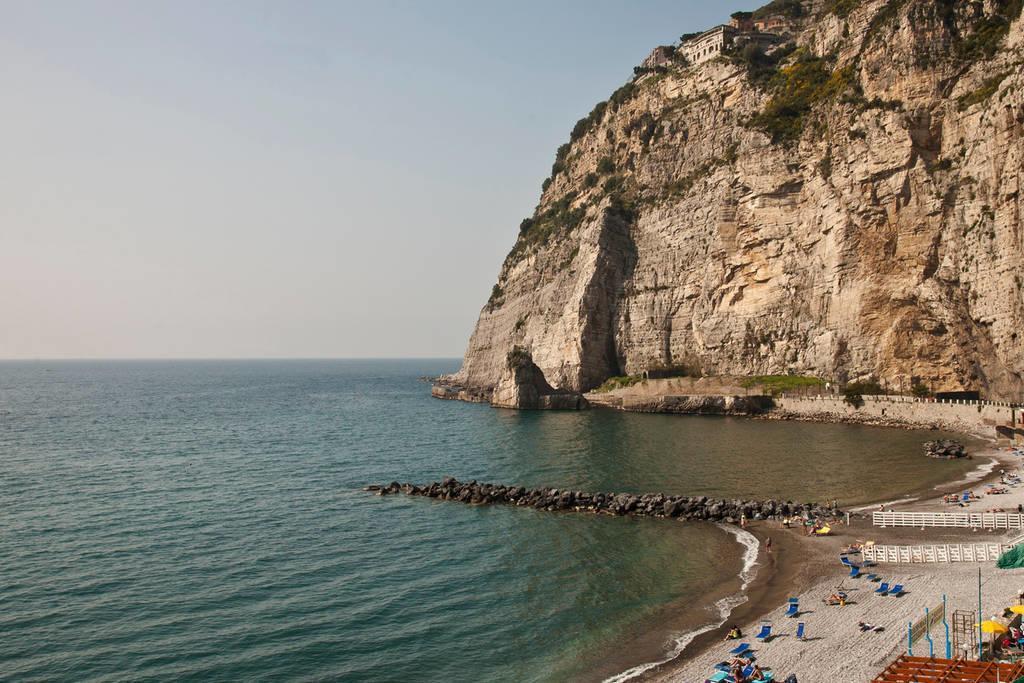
(967, 520)
(959, 552)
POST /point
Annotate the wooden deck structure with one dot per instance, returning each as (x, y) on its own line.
(908, 669)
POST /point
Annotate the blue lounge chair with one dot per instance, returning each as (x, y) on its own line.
(793, 608)
(801, 630)
(854, 571)
(845, 560)
(718, 677)
(870, 577)
(740, 649)
(883, 587)
(967, 497)
(896, 590)
(765, 633)
(748, 671)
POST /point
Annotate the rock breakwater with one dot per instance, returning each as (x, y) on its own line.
(639, 505)
(945, 448)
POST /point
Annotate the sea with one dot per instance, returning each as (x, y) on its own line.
(205, 521)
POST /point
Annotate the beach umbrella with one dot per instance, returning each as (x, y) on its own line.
(993, 627)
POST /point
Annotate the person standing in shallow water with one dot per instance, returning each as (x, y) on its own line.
(768, 544)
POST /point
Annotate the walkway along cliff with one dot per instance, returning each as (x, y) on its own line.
(842, 200)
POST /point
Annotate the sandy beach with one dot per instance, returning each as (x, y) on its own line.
(835, 648)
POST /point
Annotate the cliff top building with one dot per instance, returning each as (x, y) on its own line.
(721, 39)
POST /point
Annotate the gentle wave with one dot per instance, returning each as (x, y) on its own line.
(725, 606)
(977, 474)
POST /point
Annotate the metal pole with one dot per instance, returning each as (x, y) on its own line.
(928, 633)
(981, 639)
(945, 622)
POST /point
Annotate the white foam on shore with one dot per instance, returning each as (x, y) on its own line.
(977, 474)
(897, 501)
(725, 606)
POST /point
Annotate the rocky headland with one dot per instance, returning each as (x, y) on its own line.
(842, 202)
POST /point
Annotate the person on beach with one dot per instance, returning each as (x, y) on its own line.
(734, 633)
(768, 544)
(743, 521)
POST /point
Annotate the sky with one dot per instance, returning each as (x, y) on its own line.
(286, 179)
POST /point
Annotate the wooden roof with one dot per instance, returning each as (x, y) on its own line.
(908, 669)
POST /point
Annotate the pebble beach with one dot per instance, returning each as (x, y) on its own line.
(835, 648)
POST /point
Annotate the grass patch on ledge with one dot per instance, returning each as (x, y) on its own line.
(987, 90)
(621, 382)
(778, 383)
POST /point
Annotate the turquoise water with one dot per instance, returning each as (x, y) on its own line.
(203, 521)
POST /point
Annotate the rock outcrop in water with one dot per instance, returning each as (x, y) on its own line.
(945, 448)
(646, 505)
(522, 385)
(846, 205)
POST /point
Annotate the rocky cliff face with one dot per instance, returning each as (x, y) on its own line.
(847, 205)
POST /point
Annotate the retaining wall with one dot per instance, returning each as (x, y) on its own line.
(977, 417)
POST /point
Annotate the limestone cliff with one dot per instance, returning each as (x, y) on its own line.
(845, 203)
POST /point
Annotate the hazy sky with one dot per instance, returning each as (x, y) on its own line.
(315, 179)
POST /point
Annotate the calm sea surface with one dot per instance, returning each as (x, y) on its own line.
(203, 521)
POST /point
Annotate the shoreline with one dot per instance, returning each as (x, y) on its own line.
(776, 574)
(799, 564)
(686, 625)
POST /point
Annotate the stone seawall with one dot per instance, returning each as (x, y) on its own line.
(646, 505)
(684, 405)
(986, 420)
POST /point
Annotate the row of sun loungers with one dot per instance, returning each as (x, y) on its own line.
(883, 588)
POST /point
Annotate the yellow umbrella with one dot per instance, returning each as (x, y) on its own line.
(1017, 609)
(989, 626)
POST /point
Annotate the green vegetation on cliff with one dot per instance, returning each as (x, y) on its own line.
(621, 382)
(791, 9)
(795, 90)
(987, 90)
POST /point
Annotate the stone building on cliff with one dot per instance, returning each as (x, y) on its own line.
(721, 40)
